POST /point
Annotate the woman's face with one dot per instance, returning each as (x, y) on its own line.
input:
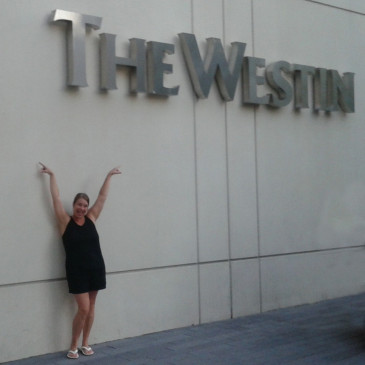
(80, 208)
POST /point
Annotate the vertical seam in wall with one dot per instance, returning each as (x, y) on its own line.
(256, 169)
(227, 177)
(196, 182)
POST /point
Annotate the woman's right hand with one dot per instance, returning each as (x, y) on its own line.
(45, 169)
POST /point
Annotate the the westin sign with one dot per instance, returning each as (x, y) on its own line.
(330, 90)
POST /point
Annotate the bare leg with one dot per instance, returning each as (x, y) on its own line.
(83, 303)
(89, 319)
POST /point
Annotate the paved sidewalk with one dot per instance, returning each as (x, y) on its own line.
(329, 332)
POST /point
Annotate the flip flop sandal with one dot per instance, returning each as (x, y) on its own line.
(87, 350)
(73, 354)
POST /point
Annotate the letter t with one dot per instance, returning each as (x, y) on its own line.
(76, 43)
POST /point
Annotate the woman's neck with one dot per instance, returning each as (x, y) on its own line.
(79, 220)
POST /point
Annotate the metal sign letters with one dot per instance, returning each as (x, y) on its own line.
(330, 90)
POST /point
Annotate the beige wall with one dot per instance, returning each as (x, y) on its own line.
(222, 209)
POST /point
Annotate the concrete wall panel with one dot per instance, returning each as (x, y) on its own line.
(245, 287)
(82, 133)
(215, 301)
(241, 144)
(147, 301)
(304, 159)
(36, 317)
(211, 166)
(297, 279)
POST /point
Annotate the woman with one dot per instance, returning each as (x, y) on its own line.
(85, 270)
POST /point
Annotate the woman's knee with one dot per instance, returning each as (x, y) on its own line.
(84, 311)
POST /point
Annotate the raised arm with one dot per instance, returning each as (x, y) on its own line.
(61, 215)
(96, 209)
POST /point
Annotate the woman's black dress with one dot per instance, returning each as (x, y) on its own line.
(85, 268)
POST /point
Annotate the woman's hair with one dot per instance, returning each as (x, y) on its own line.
(81, 196)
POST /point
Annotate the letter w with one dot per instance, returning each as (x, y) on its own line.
(215, 65)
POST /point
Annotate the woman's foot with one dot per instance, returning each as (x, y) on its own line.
(87, 350)
(73, 354)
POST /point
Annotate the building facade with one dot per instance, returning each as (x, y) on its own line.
(239, 128)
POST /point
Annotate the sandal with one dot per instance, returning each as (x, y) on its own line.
(73, 354)
(87, 350)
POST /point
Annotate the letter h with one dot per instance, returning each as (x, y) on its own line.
(109, 61)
